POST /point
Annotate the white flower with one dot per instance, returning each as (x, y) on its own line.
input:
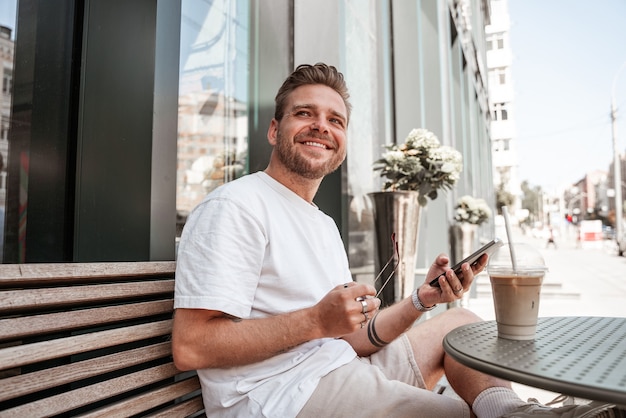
(421, 163)
(472, 210)
(394, 156)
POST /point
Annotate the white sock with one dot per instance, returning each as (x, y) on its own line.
(495, 402)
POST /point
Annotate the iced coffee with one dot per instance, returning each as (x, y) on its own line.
(516, 291)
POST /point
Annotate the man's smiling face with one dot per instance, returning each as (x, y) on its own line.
(310, 139)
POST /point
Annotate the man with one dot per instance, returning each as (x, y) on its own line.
(266, 310)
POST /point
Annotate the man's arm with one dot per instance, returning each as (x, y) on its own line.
(210, 339)
(396, 319)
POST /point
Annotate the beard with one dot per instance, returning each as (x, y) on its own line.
(299, 164)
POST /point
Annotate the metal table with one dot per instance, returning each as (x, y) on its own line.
(577, 356)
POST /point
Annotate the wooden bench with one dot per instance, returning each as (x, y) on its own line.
(91, 339)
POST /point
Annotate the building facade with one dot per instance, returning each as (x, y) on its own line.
(133, 110)
(502, 102)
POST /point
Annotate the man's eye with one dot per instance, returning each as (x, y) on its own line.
(302, 113)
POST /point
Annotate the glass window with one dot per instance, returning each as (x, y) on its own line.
(7, 80)
(497, 76)
(501, 145)
(495, 41)
(367, 56)
(213, 99)
(500, 112)
(7, 38)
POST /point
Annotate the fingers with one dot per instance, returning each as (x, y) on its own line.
(441, 261)
(452, 287)
(450, 284)
(480, 264)
(356, 291)
(361, 305)
(369, 308)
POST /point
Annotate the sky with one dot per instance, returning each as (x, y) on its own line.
(566, 56)
(7, 13)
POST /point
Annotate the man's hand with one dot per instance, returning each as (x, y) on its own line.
(346, 309)
(451, 287)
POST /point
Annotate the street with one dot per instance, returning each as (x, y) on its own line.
(580, 281)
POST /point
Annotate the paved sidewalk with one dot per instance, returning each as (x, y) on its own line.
(580, 282)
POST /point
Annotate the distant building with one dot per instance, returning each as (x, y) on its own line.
(611, 182)
(501, 102)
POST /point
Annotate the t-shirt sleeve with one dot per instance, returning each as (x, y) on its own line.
(219, 259)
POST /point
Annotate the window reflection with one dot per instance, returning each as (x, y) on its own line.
(367, 56)
(213, 99)
(7, 36)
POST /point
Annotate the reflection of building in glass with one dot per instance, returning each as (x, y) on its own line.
(212, 106)
(6, 74)
(212, 145)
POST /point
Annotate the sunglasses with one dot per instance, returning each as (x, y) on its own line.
(395, 254)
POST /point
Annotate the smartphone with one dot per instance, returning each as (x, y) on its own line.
(488, 249)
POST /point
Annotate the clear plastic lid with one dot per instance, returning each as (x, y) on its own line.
(527, 260)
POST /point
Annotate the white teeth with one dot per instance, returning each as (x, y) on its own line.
(315, 144)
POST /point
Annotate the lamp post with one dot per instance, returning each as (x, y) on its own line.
(617, 163)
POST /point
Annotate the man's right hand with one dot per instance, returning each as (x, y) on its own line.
(341, 311)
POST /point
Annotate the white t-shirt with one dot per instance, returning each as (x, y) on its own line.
(253, 249)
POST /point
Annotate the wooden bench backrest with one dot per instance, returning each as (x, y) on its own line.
(90, 339)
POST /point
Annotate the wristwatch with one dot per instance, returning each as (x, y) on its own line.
(418, 303)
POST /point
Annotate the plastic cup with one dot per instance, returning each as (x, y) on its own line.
(516, 292)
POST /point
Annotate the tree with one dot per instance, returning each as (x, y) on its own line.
(531, 200)
(503, 198)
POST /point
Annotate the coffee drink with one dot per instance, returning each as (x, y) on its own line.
(516, 300)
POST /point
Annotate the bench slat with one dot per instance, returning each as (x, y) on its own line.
(48, 273)
(146, 401)
(14, 328)
(12, 300)
(21, 355)
(183, 409)
(25, 384)
(92, 339)
(89, 394)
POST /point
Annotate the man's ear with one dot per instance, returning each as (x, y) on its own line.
(272, 132)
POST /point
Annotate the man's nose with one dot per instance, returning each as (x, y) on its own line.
(320, 124)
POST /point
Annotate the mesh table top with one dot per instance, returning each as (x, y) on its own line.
(577, 356)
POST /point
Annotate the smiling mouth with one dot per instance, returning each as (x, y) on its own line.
(315, 144)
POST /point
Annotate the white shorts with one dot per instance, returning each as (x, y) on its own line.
(386, 384)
